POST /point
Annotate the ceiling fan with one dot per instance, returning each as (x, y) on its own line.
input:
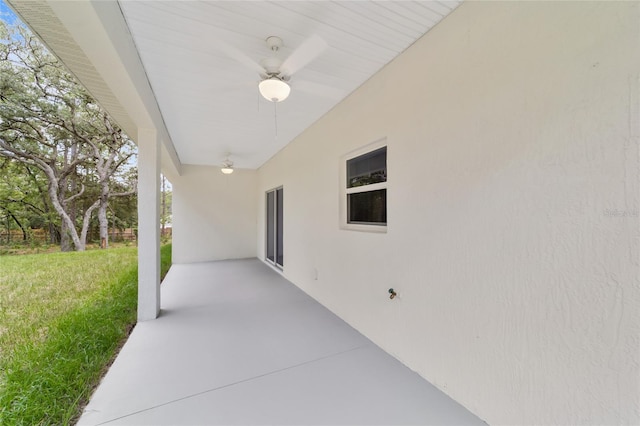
(276, 73)
(227, 166)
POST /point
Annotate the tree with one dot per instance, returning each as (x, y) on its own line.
(165, 205)
(48, 121)
(110, 154)
(22, 200)
(13, 202)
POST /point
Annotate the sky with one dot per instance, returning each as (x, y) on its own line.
(6, 14)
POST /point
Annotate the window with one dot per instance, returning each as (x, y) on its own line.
(274, 226)
(368, 207)
(365, 189)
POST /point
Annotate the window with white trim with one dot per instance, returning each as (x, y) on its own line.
(365, 190)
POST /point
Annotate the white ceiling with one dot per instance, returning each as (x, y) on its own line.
(210, 101)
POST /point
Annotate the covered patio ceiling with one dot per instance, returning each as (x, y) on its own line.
(198, 56)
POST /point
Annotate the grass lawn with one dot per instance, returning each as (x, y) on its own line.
(63, 316)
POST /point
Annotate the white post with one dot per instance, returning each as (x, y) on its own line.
(148, 225)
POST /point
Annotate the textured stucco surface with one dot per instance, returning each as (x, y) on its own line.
(513, 210)
(213, 214)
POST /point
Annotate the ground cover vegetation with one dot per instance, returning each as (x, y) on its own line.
(63, 317)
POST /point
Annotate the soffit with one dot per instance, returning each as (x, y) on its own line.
(210, 101)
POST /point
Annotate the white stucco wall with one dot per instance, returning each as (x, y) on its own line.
(513, 232)
(213, 214)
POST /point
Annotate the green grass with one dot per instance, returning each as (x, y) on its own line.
(63, 317)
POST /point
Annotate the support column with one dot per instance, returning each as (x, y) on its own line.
(148, 225)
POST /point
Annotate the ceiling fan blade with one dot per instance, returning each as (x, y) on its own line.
(309, 50)
(320, 90)
(238, 55)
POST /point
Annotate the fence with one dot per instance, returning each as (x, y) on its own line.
(17, 236)
(120, 235)
(39, 236)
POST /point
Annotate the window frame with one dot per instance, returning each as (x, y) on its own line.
(345, 191)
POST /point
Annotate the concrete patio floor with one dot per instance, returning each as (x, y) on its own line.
(236, 343)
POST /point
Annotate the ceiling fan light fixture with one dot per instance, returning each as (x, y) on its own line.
(227, 167)
(273, 89)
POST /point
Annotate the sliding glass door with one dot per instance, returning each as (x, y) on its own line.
(274, 226)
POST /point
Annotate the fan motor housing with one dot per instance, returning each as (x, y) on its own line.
(271, 65)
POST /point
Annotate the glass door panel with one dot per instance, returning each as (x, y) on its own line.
(274, 227)
(271, 226)
(279, 227)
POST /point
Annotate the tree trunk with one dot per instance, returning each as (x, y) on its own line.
(102, 211)
(66, 244)
(68, 227)
(54, 235)
(66, 241)
(71, 208)
(104, 223)
(65, 238)
(87, 219)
